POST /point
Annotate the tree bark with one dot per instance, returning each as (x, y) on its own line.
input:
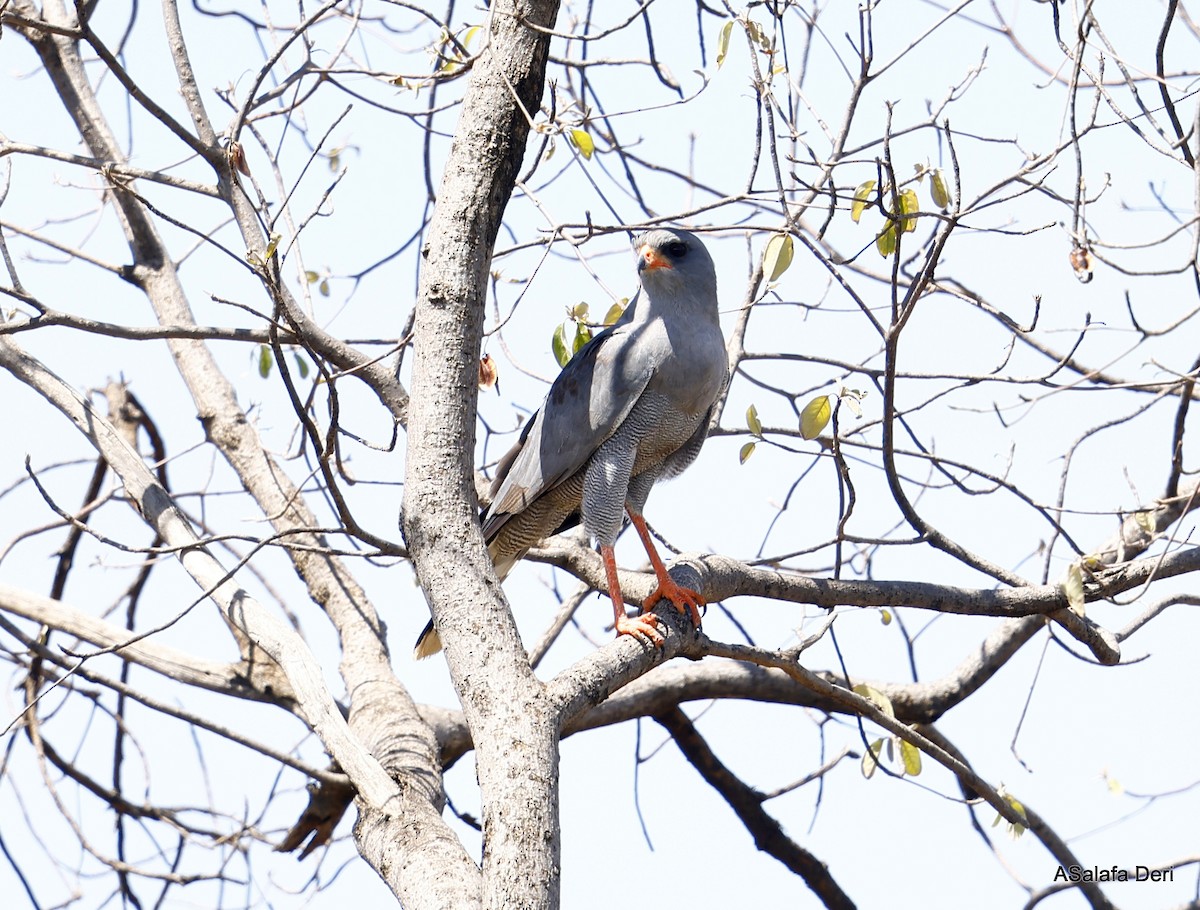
(511, 720)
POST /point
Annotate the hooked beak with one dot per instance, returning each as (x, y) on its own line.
(650, 259)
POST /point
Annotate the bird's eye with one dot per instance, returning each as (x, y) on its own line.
(676, 249)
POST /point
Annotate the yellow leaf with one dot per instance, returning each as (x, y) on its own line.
(862, 195)
(758, 35)
(723, 42)
(885, 616)
(323, 287)
(870, 761)
(778, 256)
(455, 55)
(616, 311)
(311, 277)
(909, 206)
(881, 701)
(937, 189)
(746, 452)
(815, 416)
(1145, 521)
(579, 311)
(910, 757)
(886, 241)
(1072, 586)
(582, 140)
(1015, 830)
(753, 422)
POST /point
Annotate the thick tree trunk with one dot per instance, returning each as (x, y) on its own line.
(511, 720)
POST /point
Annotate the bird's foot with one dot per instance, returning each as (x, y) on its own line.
(643, 628)
(685, 600)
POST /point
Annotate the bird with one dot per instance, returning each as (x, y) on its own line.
(631, 408)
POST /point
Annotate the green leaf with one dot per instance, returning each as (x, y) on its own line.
(881, 701)
(311, 277)
(910, 757)
(582, 140)
(579, 311)
(723, 42)
(815, 416)
(909, 206)
(937, 189)
(886, 241)
(323, 287)
(582, 336)
(862, 196)
(746, 452)
(272, 245)
(558, 344)
(265, 360)
(1072, 586)
(870, 761)
(778, 256)
(616, 311)
(301, 366)
(753, 422)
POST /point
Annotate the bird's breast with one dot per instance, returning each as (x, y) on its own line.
(694, 374)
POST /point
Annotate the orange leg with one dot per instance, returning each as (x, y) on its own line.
(685, 600)
(641, 627)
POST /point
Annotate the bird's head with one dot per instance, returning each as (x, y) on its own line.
(674, 261)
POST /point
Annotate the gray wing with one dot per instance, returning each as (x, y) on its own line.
(587, 402)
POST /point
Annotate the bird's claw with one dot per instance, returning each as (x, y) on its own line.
(685, 600)
(643, 628)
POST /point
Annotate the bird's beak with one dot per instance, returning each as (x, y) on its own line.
(650, 259)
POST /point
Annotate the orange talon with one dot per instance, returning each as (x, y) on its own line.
(643, 628)
(685, 600)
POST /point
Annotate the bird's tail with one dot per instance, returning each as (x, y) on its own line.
(428, 642)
